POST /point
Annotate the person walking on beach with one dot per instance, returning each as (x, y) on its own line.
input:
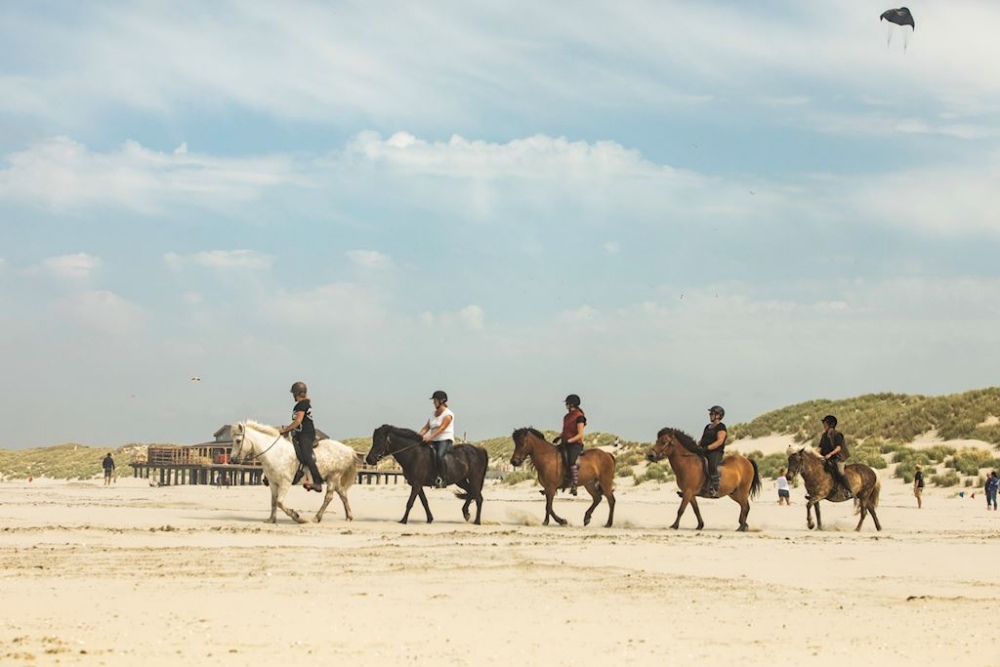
(713, 444)
(991, 490)
(832, 448)
(784, 495)
(439, 433)
(571, 438)
(109, 468)
(303, 431)
(918, 486)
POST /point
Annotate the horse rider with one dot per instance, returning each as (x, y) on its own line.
(439, 433)
(571, 438)
(832, 448)
(303, 432)
(713, 446)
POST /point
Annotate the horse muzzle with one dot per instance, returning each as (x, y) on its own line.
(372, 460)
(516, 462)
(652, 458)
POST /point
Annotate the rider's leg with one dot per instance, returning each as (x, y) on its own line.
(714, 458)
(304, 450)
(843, 479)
(573, 451)
(441, 448)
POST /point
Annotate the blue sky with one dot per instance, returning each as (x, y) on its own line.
(656, 205)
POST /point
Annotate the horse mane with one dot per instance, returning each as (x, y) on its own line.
(403, 432)
(529, 429)
(261, 428)
(680, 436)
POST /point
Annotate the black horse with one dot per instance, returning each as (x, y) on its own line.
(464, 465)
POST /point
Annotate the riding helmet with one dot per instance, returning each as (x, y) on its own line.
(573, 400)
(440, 395)
(718, 409)
(299, 388)
(831, 420)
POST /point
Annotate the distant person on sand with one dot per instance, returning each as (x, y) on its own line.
(833, 449)
(918, 486)
(784, 495)
(303, 432)
(571, 437)
(109, 468)
(991, 490)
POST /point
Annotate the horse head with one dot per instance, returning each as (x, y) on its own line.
(237, 435)
(380, 445)
(522, 444)
(663, 447)
(795, 456)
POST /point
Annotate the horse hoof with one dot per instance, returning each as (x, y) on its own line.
(586, 520)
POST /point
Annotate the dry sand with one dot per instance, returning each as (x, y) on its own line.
(129, 575)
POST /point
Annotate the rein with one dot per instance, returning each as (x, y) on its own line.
(388, 442)
(266, 449)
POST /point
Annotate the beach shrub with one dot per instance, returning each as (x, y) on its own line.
(949, 478)
(870, 455)
(769, 466)
(518, 476)
(906, 470)
(625, 472)
(969, 461)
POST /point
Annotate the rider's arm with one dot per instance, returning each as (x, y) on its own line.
(720, 439)
(578, 438)
(439, 430)
(299, 416)
(836, 442)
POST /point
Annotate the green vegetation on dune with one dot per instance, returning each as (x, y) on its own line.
(900, 417)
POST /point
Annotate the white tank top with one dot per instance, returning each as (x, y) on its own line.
(435, 422)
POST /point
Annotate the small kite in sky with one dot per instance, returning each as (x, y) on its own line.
(196, 379)
(900, 17)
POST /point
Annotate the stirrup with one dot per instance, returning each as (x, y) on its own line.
(439, 483)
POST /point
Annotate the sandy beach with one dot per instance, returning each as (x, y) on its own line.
(130, 574)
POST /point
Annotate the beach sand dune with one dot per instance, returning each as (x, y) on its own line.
(130, 574)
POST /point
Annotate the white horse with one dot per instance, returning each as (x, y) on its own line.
(336, 462)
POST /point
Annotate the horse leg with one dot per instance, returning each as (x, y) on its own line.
(549, 494)
(280, 502)
(819, 521)
(809, 516)
(427, 508)
(744, 511)
(685, 500)
(274, 505)
(697, 513)
(469, 496)
(414, 489)
(871, 510)
(327, 497)
(863, 511)
(610, 495)
(595, 495)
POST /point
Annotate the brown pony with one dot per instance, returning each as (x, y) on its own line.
(738, 476)
(820, 485)
(596, 473)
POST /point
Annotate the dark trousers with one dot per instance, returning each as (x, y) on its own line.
(714, 459)
(304, 452)
(440, 448)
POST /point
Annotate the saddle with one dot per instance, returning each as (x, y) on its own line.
(837, 493)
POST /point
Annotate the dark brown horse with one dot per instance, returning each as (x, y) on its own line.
(738, 475)
(820, 485)
(465, 465)
(596, 473)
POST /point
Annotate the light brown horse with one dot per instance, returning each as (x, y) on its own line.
(820, 485)
(738, 476)
(596, 472)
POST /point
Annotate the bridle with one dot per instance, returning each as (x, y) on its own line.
(388, 442)
(253, 456)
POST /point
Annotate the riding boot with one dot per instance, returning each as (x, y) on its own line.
(574, 471)
(713, 487)
(439, 475)
(317, 479)
(299, 474)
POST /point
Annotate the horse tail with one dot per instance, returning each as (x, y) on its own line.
(755, 485)
(350, 473)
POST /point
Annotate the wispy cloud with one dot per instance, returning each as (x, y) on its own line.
(78, 266)
(62, 174)
(369, 259)
(221, 259)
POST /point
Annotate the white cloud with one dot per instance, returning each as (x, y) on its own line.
(78, 266)
(369, 259)
(62, 174)
(221, 259)
(103, 311)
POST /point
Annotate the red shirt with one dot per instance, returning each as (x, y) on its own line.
(572, 418)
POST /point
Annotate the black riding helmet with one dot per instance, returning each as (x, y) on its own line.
(831, 420)
(573, 400)
(440, 395)
(718, 409)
